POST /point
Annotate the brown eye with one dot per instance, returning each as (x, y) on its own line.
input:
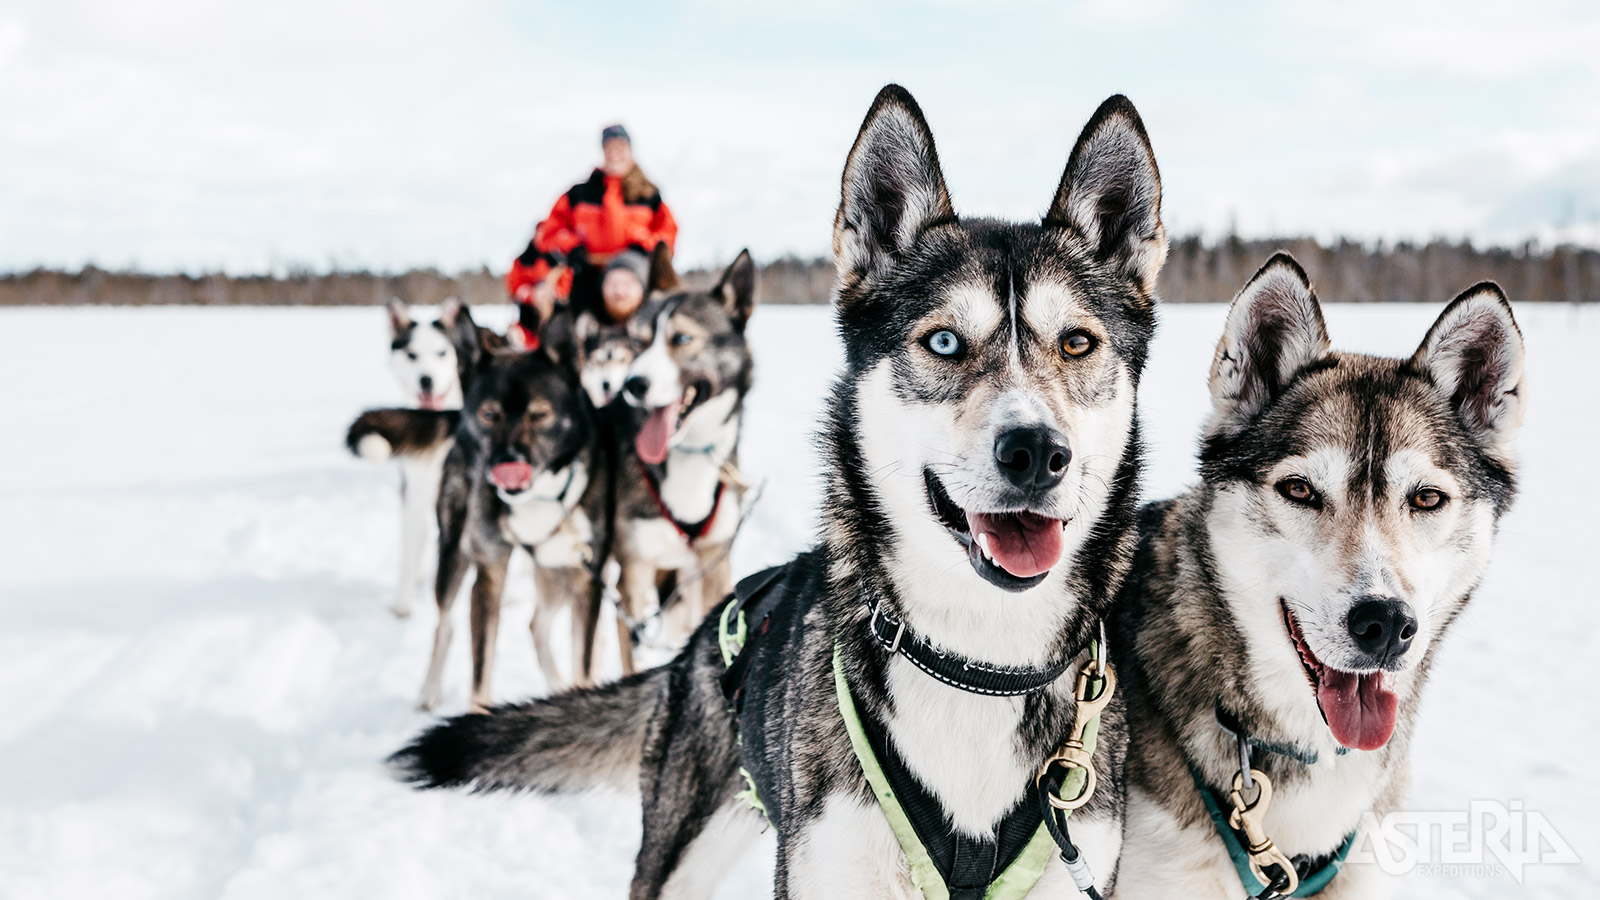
(1427, 499)
(1299, 491)
(1077, 343)
(489, 416)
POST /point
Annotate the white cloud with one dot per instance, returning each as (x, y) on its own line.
(195, 134)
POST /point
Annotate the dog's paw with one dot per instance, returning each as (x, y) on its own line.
(374, 447)
(401, 609)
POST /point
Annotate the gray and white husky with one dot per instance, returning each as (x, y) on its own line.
(423, 357)
(1345, 512)
(677, 506)
(981, 456)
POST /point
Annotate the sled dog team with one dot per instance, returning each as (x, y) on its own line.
(996, 674)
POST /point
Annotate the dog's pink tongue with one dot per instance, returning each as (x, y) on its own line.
(656, 433)
(1360, 709)
(513, 476)
(1023, 544)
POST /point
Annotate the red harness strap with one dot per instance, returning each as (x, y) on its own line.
(691, 533)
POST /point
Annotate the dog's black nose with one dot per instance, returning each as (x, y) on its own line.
(426, 383)
(1033, 458)
(1382, 628)
(637, 386)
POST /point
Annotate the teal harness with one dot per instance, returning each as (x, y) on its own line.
(1266, 872)
(1311, 884)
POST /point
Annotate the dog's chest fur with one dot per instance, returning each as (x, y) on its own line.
(549, 519)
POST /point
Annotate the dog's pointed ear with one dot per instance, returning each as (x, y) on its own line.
(1473, 355)
(662, 276)
(893, 188)
(1110, 194)
(456, 320)
(399, 317)
(449, 309)
(558, 339)
(1274, 330)
(737, 289)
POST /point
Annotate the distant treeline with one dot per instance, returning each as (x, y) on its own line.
(1195, 272)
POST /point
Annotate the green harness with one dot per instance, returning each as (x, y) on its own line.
(1017, 879)
(1071, 789)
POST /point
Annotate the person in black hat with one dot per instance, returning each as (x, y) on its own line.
(594, 247)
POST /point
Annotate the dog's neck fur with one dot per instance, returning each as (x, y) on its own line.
(706, 441)
(1190, 655)
(981, 776)
(533, 516)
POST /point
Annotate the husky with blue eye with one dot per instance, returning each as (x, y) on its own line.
(1282, 614)
(907, 703)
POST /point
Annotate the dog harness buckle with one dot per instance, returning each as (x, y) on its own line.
(1248, 819)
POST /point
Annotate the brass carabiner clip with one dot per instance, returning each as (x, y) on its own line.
(1072, 754)
(1249, 819)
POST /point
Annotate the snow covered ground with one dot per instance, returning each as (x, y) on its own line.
(199, 675)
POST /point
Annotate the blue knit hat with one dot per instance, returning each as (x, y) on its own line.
(611, 132)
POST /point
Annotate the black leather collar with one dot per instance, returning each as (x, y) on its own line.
(958, 671)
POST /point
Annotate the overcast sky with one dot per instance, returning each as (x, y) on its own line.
(203, 135)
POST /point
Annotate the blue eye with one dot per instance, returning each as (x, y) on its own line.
(944, 342)
(681, 338)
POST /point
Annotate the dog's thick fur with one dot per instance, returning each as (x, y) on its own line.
(1225, 569)
(694, 367)
(903, 419)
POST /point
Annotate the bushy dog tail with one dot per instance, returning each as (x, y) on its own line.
(579, 739)
(378, 434)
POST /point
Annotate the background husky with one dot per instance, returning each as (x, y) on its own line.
(522, 473)
(605, 353)
(677, 509)
(1345, 514)
(424, 360)
(982, 455)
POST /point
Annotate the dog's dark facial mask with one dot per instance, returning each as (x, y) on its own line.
(525, 415)
(993, 366)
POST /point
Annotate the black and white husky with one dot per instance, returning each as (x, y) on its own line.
(423, 357)
(981, 461)
(1293, 599)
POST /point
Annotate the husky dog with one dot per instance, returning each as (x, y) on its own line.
(424, 360)
(605, 352)
(1293, 599)
(981, 454)
(521, 473)
(677, 507)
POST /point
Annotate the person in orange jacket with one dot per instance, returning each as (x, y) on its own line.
(596, 242)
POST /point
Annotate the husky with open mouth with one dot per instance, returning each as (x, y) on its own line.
(423, 357)
(679, 500)
(1282, 615)
(906, 702)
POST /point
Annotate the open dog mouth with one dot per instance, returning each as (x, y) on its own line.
(426, 400)
(1012, 550)
(661, 425)
(512, 478)
(1360, 708)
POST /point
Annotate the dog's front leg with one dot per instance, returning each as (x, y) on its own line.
(847, 851)
(485, 617)
(552, 591)
(638, 593)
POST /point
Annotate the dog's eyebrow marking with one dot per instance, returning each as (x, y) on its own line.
(1011, 309)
